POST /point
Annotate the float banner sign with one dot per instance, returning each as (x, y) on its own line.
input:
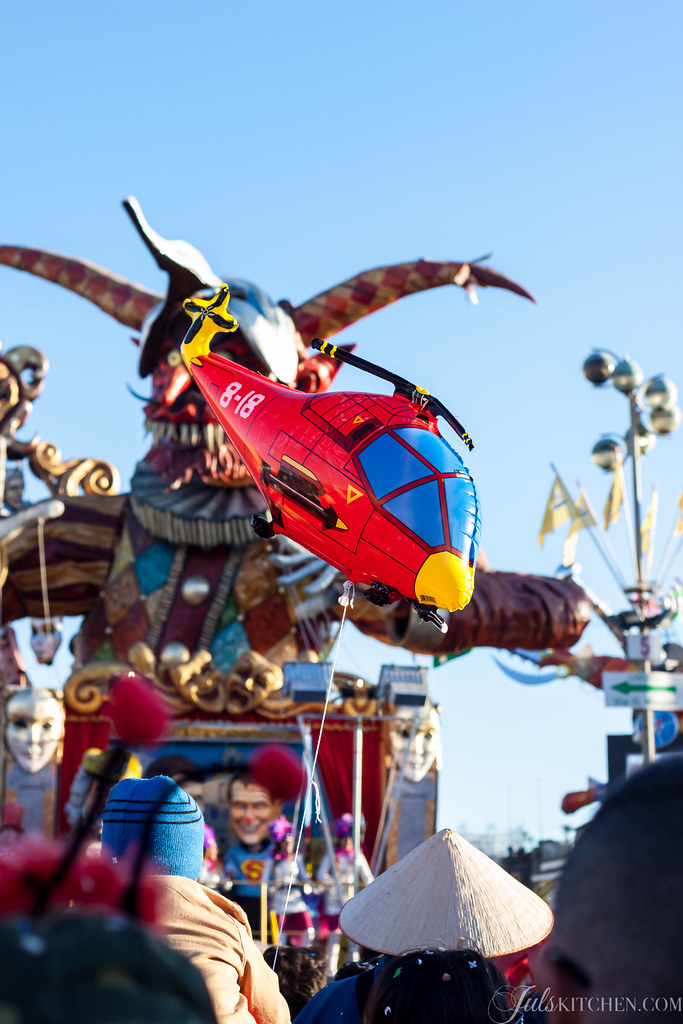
(660, 691)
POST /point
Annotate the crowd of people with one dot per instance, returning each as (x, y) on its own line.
(445, 935)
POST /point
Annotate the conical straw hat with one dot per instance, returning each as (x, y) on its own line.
(447, 894)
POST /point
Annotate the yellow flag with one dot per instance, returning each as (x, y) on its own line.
(569, 549)
(617, 493)
(560, 509)
(647, 529)
(581, 521)
(679, 521)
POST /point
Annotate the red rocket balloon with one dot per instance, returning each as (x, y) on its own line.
(366, 482)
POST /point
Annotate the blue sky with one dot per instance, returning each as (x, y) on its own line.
(297, 144)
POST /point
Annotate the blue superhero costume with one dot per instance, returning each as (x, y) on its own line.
(245, 866)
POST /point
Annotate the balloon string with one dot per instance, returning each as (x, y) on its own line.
(312, 785)
(43, 576)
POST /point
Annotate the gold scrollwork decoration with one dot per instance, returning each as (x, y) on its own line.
(253, 685)
(22, 374)
(92, 476)
(86, 688)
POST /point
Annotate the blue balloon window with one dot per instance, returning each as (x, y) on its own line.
(464, 520)
(420, 510)
(388, 465)
(435, 449)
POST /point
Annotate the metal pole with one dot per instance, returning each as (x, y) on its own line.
(357, 797)
(396, 793)
(383, 815)
(635, 467)
(647, 739)
(307, 747)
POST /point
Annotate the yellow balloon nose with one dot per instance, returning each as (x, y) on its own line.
(444, 581)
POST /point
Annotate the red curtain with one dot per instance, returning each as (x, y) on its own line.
(335, 765)
(79, 734)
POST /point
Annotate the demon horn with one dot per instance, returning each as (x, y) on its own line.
(187, 269)
(127, 303)
(331, 311)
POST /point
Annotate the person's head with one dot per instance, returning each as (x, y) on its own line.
(159, 816)
(354, 967)
(425, 748)
(35, 726)
(342, 829)
(252, 808)
(301, 971)
(438, 987)
(620, 900)
(120, 974)
(182, 770)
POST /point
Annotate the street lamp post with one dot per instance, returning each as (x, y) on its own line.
(656, 397)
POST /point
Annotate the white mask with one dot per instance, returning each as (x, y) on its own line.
(35, 726)
(44, 641)
(425, 749)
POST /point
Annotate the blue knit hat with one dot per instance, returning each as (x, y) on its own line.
(175, 843)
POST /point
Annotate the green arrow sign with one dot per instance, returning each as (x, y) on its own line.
(634, 688)
(661, 691)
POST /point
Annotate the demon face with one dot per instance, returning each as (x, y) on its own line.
(188, 440)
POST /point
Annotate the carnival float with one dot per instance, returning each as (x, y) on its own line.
(232, 627)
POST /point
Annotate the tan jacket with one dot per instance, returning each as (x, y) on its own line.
(215, 935)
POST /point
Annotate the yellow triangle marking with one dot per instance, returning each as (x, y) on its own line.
(359, 419)
(352, 494)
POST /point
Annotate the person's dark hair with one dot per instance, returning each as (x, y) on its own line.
(301, 971)
(243, 776)
(176, 766)
(353, 967)
(439, 987)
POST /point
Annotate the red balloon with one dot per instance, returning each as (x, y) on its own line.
(279, 770)
(137, 711)
(364, 481)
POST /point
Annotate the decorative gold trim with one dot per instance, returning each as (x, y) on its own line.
(86, 688)
(226, 730)
(253, 685)
(93, 476)
(22, 374)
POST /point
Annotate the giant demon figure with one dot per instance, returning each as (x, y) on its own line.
(170, 578)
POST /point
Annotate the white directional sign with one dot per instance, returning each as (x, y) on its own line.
(644, 647)
(661, 691)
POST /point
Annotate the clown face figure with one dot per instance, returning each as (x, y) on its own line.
(35, 726)
(251, 811)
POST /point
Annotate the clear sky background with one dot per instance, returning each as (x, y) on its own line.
(298, 143)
